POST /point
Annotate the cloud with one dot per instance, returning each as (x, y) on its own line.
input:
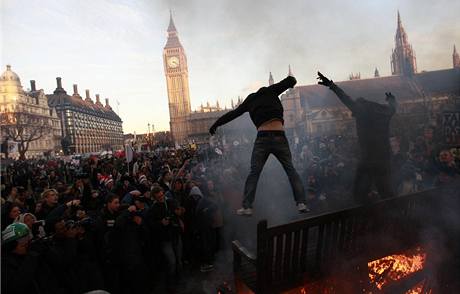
(115, 47)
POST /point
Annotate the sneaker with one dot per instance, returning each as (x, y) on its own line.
(206, 268)
(244, 211)
(302, 208)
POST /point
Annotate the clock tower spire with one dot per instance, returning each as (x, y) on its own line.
(176, 72)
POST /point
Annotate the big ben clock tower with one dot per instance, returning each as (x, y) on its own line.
(175, 64)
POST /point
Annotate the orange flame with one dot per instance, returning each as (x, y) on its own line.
(420, 288)
(395, 267)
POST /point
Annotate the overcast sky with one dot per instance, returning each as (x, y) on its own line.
(114, 47)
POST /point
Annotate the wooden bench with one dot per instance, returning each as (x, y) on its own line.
(289, 254)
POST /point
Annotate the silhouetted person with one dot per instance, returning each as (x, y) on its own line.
(373, 128)
(266, 113)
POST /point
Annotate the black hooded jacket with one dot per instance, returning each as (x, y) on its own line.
(372, 126)
(263, 105)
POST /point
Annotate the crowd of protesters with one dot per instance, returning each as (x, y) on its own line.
(100, 223)
(85, 224)
(419, 160)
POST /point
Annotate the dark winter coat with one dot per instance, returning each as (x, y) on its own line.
(27, 274)
(156, 213)
(106, 241)
(132, 239)
(263, 105)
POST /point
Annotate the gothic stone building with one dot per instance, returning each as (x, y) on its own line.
(403, 61)
(314, 110)
(87, 126)
(186, 126)
(176, 71)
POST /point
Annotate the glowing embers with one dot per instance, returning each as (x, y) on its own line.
(422, 287)
(405, 272)
(395, 267)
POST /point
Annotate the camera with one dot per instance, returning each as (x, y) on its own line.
(38, 228)
(70, 224)
(173, 222)
(85, 223)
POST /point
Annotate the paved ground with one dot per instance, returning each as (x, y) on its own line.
(196, 282)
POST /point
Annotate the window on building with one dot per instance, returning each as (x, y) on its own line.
(319, 128)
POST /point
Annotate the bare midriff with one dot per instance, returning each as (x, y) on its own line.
(272, 125)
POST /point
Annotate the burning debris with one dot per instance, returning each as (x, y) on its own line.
(395, 267)
(421, 287)
(398, 273)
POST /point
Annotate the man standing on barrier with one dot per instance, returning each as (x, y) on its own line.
(373, 128)
(266, 113)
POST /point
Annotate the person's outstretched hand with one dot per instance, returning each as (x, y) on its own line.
(324, 81)
(389, 96)
(293, 81)
(212, 130)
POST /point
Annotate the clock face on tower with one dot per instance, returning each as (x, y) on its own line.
(173, 62)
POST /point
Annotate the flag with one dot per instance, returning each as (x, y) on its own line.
(128, 153)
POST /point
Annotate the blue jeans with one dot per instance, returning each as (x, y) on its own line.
(271, 142)
(172, 252)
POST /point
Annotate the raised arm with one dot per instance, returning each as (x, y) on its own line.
(229, 116)
(283, 85)
(337, 90)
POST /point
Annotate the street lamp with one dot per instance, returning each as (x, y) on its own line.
(153, 132)
(149, 144)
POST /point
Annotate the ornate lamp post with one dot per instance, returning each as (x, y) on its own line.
(153, 132)
(149, 141)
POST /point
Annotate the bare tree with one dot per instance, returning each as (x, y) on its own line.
(23, 128)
